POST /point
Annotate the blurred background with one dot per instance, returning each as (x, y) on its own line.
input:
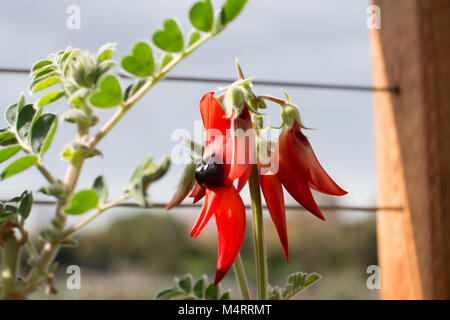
(130, 253)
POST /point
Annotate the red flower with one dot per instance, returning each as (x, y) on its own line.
(220, 165)
(229, 156)
(299, 170)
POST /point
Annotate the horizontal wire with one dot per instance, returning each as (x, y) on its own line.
(328, 86)
(159, 205)
(394, 90)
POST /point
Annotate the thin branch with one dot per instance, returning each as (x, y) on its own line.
(94, 215)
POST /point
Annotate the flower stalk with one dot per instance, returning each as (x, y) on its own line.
(240, 278)
(258, 233)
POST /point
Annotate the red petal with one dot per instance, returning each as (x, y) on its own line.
(197, 193)
(181, 193)
(293, 180)
(213, 116)
(230, 221)
(273, 194)
(243, 144)
(212, 200)
(243, 179)
(303, 156)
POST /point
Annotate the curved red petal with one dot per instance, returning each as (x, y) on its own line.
(273, 194)
(243, 179)
(230, 222)
(181, 193)
(211, 203)
(304, 158)
(214, 117)
(243, 144)
(293, 180)
(198, 193)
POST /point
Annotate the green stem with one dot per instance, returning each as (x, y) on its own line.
(258, 234)
(240, 278)
(94, 215)
(10, 257)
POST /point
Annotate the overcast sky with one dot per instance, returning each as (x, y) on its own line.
(324, 41)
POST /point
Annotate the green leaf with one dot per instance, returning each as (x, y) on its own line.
(168, 293)
(40, 64)
(75, 115)
(141, 62)
(193, 38)
(82, 202)
(21, 102)
(105, 66)
(43, 83)
(11, 114)
(25, 204)
(146, 173)
(44, 71)
(297, 282)
(42, 133)
(199, 288)
(7, 138)
(212, 292)
(170, 38)
(225, 296)
(24, 121)
(132, 88)
(77, 97)
(9, 152)
(108, 94)
(18, 166)
(101, 188)
(313, 277)
(50, 97)
(186, 283)
(165, 60)
(105, 52)
(231, 10)
(202, 15)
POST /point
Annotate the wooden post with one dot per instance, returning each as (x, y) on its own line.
(412, 50)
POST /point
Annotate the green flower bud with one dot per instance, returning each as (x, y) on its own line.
(289, 113)
(234, 100)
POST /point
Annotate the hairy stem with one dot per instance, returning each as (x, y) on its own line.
(240, 278)
(10, 257)
(258, 234)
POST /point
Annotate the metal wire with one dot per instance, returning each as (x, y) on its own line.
(394, 90)
(160, 205)
(310, 85)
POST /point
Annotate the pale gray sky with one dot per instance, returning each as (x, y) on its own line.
(314, 41)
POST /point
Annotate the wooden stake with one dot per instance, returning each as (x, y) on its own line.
(412, 50)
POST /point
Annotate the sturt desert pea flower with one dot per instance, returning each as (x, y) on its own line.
(224, 160)
(273, 190)
(299, 170)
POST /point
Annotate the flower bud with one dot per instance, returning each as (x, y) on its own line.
(184, 187)
(234, 100)
(289, 113)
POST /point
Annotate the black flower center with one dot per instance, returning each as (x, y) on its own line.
(210, 172)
